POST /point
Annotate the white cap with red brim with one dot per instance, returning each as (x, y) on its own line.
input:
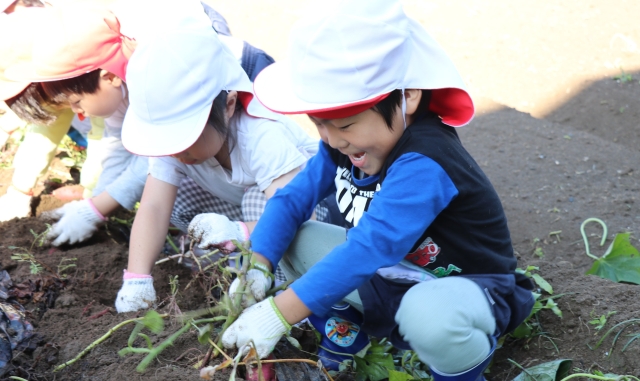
(354, 52)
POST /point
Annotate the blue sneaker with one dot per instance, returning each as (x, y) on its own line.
(342, 336)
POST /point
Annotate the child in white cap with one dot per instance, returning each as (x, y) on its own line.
(427, 255)
(210, 130)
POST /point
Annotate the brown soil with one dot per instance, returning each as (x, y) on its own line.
(577, 159)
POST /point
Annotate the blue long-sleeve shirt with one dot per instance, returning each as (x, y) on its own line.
(430, 192)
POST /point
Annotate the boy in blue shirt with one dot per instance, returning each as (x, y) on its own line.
(427, 257)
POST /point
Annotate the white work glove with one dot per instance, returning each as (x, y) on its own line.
(77, 221)
(263, 323)
(259, 283)
(212, 230)
(14, 204)
(136, 293)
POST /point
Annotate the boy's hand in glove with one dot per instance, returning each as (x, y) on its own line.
(136, 293)
(14, 204)
(77, 221)
(263, 323)
(258, 281)
(212, 230)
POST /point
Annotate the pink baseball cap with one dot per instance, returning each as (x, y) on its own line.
(75, 39)
(18, 34)
(346, 56)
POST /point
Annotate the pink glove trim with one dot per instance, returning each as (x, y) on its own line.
(97, 212)
(28, 193)
(128, 275)
(245, 229)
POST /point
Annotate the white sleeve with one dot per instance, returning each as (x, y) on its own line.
(114, 161)
(269, 152)
(167, 169)
(127, 188)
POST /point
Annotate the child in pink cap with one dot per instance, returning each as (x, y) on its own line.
(96, 42)
(426, 257)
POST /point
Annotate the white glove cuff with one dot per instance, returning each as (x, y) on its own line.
(95, 210)
(243, 231)
(281, 322)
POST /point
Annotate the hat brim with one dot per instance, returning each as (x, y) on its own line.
(9, 89)
(429, 69)
(28, 71)
(274, 89)
(146, 139)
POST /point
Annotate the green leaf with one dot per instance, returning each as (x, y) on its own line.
(204, 333)
(621, 262)
(549, 371)
(522, 331)
(543, 284)
(394, 375)
(367, 370)
(153, 321)
(375, 365)
(553, 306)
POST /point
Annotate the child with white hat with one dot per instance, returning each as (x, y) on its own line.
(210, 130)
(427, 255)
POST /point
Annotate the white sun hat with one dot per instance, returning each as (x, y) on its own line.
(348, 55)
(173, 79)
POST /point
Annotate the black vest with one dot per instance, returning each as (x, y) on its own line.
(470, 236)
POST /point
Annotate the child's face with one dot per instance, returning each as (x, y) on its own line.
(207, 146)
(104, 102)
(211, 141)
(364, 137)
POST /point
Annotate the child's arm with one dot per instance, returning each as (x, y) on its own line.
(150, 225)
(78, 220)
(147, 237)
(293, 205)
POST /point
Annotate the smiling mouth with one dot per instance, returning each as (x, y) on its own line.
(358, 156)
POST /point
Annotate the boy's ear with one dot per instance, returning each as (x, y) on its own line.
(413, 97)
(110, 78)
(232, 99)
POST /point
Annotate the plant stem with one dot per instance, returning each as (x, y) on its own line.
(584, 235)
(100, 340)
(156, 351)
(593, 376)
(173, 245)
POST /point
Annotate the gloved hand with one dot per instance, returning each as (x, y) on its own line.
(263, 323)
(136, 293)
(259, 283)
(14, 204)
(78, 220)
(212, 230)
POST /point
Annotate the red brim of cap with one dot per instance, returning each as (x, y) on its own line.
(9, 89)
(454, 106)
(346, 111)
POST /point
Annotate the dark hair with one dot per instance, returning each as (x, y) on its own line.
(216, 119)
(59, 91)
(388, 106)
(33, 105)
